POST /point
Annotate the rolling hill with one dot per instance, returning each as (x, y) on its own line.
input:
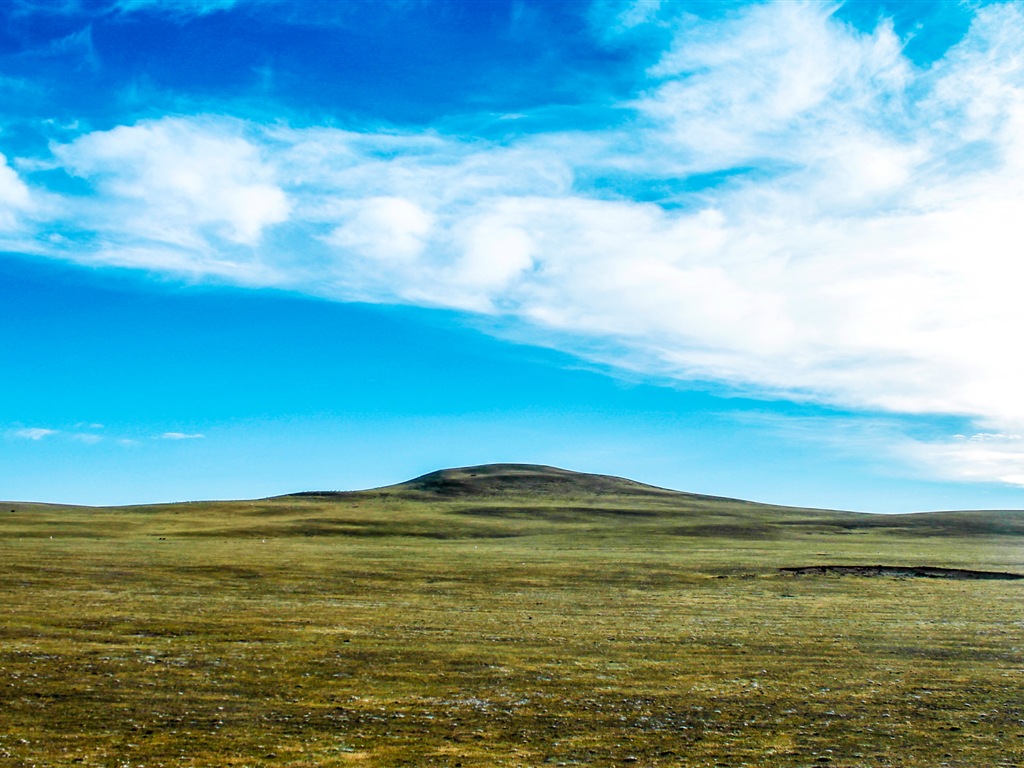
(499, 500)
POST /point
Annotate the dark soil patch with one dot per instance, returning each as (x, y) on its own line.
(898, 571)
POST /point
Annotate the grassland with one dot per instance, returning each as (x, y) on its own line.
(505, 616)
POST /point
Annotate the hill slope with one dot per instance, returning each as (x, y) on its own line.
(498, 501)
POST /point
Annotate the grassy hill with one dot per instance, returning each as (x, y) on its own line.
(495, 501)
(506, 615)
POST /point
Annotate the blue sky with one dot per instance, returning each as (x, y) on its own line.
(765, 250)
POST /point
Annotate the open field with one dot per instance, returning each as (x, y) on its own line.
(511, 617)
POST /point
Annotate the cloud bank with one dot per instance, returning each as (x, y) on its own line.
(787, 206)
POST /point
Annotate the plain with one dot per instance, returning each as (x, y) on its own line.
(506, 615)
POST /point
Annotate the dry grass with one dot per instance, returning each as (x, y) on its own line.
(511, 629)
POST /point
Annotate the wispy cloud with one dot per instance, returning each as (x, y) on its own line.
(33, 433)
(78, 45)
(181, 436)
(184, 11)
(94, 8)
(178, 8)
(831, 221)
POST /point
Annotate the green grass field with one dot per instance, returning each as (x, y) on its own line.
(505, 616)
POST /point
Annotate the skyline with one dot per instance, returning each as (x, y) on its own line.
(758, 250)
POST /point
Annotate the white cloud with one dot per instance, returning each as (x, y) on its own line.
(494, 253)
(177, 194)
(181, 436)
(390, 229)
(980, 457)
(34, 433)
(770, 83)
(863, 250)
(14, 196)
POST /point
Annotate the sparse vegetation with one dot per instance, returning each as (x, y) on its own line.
(505, 616)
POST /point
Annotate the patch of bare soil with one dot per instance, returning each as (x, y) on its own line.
(898, 571)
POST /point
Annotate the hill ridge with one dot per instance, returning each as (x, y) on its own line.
(489, 479)
(510, 478)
